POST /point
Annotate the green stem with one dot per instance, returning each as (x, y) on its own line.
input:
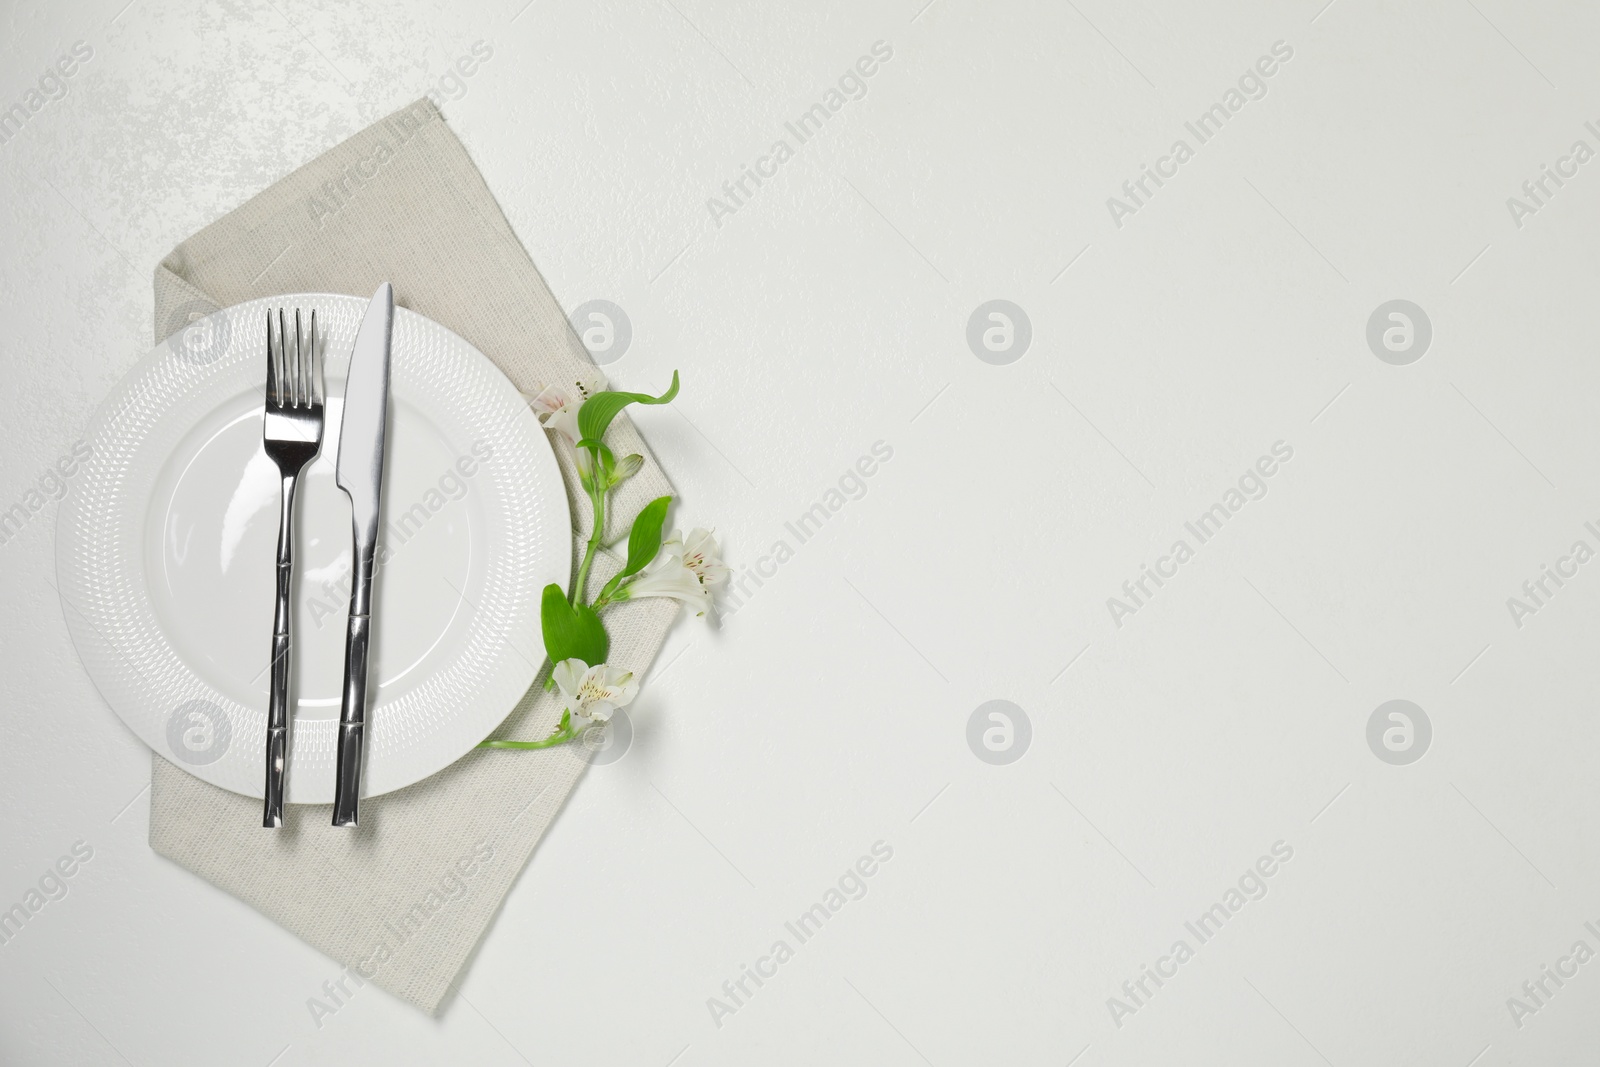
(608, 595)
(597, 499)
(560, 737)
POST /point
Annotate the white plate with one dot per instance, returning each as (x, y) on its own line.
(166, 553)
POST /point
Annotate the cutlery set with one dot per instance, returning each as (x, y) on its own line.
(197, 443)
(292, 437)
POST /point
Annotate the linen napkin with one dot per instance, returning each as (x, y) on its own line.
(403, 899)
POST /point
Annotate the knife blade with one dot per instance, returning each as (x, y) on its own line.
(359, 472)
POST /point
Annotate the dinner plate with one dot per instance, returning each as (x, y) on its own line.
(166, 554)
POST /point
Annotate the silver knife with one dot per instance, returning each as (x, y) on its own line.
(360, 475)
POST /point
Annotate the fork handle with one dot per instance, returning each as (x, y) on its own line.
(353, 708)
(278, 701)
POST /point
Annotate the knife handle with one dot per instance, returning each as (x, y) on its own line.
(353, 709)
(278, 700)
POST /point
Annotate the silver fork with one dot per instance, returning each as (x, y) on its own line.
(292, 435)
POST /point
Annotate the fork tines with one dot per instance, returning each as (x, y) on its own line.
(294, 363)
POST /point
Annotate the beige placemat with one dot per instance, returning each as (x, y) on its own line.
(402, 900)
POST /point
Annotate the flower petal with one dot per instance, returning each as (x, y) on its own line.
(569, 675)
(620, 686)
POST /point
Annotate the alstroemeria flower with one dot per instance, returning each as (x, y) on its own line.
(685, 570)
(591, 694)
(557, 406)
(700, 555)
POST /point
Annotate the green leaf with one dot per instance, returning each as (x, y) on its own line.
(645, 540)
(571, 633)
(594, 418)
(599, 446)
(596, 643)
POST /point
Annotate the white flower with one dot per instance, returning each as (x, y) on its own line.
(700, 556)
(591, 694)
(685, 570)
(557, 406)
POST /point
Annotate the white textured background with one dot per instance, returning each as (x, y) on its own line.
(830, 712)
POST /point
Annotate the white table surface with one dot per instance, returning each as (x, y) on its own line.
(829, 312)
